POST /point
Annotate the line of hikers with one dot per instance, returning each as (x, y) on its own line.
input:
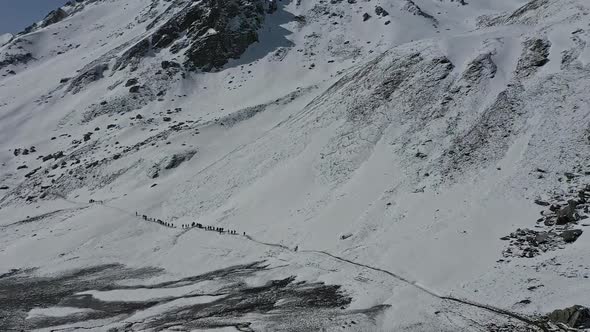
(221, 230)
(159, 221)
(211, 228)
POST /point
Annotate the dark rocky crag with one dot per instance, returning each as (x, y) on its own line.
(209, 33)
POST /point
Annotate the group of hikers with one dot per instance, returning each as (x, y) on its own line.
(159, 221)
(221, 230)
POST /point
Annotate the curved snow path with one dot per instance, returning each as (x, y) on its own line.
(525, 319)
(490, 308)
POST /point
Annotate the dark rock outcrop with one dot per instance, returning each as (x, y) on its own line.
(571, 235)
(215, 31)
(413, 8)
(131, 82)
(576, 316)
(535, 54)
(92, 74)
(379, 11)
(54, 16)
(16, 59)
(567, 213)
(178, 159)
(482, 67)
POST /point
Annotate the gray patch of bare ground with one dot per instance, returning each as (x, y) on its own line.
(284, 304)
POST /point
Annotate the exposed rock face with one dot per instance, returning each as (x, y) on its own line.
(133, 56)
(15, 59)
(215, 30)
(571, 235)
(523, 15)
(54, 16)
(567, 213)
(131, 82)
(535, 54)
(482, 67)
(413, 8)
(178, 159)
(170, 162)
(88, 76)
(575, 316)
(380, 11)
(527, 243)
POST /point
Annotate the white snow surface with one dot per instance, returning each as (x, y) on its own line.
(313, 133)
(5, 38)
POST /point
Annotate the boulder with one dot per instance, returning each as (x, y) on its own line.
(89, 74)
(178, 159)
(32, 172)
(15, 59)
(380, 11)
(542, 237)
(131, 82)
(170, 64)
(567, 213)
(576, 316)
(571, 235)
(541, 202)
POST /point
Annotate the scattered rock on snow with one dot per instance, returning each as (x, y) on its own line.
(571, 235)
(178, 159)
(379, 11)
(131, 82)
(576, 316)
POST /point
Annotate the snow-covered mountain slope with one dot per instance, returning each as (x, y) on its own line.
(5, 38)
(403, 165)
